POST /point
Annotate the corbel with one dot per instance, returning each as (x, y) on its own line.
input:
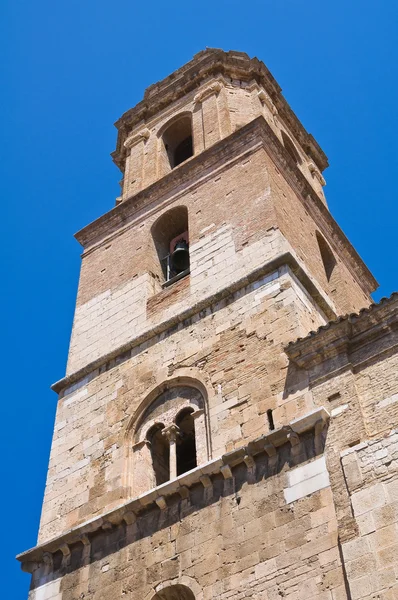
(269, 448)
(292, 436)
(48, 559)
(65, 554)
(132, 140)
(316, 173)
(184, 492)
(249, 461)
(161, 502)
(83, 538)
(226, 472)
(129, 517)
(205, 481)
(265, 99)
(213, 88)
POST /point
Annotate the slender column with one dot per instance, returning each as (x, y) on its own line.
(134, 171)
(171, 433)
(211, 120)
(143, 473)
(200, 436)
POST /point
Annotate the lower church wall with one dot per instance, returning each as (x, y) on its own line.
(269, 532)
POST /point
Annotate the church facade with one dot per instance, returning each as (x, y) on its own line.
(228, 423)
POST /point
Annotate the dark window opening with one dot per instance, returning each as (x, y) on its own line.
(328, 259)
(171, 238)
(270, 420)
(186, 445)
(291, 148)
(160, 453)
(183, 151)
(178, 141)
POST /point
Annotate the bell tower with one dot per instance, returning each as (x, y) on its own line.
(189, 451)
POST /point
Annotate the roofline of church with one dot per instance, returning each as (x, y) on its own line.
(207, 63)
(342, 334)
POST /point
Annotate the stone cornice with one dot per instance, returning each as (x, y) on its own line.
(213, 62)
(247, 139)
(347, 335)
(130, 510)
(91, 370)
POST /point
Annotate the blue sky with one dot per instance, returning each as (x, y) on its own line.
(70, 69)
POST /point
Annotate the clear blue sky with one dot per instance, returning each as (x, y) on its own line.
(69, 70)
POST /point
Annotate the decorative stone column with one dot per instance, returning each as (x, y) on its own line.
(210, 114)
(171, 433)
(143, 475)
(134, 171)
(200, 436)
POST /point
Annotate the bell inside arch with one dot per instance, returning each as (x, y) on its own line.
(180, 256)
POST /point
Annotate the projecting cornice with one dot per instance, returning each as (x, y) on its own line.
(131, 510)
(216, 159)
(355, 338)
(209, 63)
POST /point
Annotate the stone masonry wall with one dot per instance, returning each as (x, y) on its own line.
(235, 347)
(240, 538)
(371, 472)
(119, 296)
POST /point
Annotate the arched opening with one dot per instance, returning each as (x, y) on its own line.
(174, 592)
(291, 148)
(160, 453)
(186, 443)
(171, 238)
(177, 140)
(328, 259)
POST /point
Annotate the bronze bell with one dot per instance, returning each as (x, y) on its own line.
(180, 256)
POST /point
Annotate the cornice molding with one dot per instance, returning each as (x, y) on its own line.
(130, 511)
(209, 63)
(347, 335)
(247, 139)
(91, 370)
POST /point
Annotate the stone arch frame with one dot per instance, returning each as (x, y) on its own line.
(171, 224)
(184, 580)
(164, 165)
(137, 480)
(291, 148)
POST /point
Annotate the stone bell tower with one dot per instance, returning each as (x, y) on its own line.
(191, 458)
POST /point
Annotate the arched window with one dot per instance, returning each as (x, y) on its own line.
(170, 438)
(160, 453)
(177, 140)
(328, 259)
(171, 238)
(186, 444)
(291, 148)
(174, 592)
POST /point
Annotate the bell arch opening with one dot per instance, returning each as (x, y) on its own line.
(178, 141)
(170, 236)
(160, 453)
(186, 442)
(328, 258)
(174, 592)
(291, 148)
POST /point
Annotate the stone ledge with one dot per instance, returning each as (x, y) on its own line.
(285, 258)
(129, 511)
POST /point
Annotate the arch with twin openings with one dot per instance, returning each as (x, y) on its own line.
(168, 436)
